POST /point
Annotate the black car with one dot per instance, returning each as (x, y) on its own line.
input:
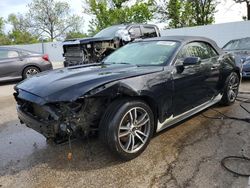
(138, 90)
(18, 64)
(240, 48)
(94, 49)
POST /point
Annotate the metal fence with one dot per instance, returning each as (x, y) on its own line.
(221, 33)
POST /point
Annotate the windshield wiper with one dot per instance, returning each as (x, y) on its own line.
(112, 63)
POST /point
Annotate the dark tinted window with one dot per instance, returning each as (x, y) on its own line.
(197, 49)
(149, 31)
(8, 54)
(135, 32)
(109, 31)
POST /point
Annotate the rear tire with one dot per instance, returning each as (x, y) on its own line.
(127, 127)
(30, 71)
(231, 89)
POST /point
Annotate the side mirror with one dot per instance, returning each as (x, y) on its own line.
(191, 61)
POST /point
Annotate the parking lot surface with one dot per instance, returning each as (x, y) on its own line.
(186, 155)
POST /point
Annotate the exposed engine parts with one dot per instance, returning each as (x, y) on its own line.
(65, 118)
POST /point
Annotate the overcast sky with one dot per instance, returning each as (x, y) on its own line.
(227, 10)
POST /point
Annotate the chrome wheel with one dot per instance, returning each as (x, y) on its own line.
(233, 86)
(134, 130)
(30, 72)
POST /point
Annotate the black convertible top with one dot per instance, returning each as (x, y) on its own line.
(187, 39)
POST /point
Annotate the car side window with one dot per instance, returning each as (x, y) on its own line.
(12, 54)
(135, 32)
(196, 49)
(149, 32)
(3, 54)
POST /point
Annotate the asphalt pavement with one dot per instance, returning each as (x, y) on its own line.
(186, 155)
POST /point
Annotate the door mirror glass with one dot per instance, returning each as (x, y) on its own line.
(191, 61)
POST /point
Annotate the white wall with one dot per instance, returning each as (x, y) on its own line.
(220, 33)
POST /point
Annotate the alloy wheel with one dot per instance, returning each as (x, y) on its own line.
(233, 87)
(30, 72)
(134, 130)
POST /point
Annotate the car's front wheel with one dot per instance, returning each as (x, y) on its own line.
(231, 89)
(126, 127)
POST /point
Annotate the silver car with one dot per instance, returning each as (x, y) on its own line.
(17, 64)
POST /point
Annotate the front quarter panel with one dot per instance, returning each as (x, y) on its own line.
(156, 87)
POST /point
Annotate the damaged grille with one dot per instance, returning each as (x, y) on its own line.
(74, 56)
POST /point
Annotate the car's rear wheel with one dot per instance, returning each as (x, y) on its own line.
(231, 89)
(127, 127)
(30, 71)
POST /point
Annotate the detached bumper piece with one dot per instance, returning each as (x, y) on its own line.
(46, 128)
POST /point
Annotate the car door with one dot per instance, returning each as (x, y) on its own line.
(192, 83)
(9, 64)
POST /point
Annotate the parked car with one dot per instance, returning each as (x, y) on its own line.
(94, 49)
(241, 49)
(18, 64)
(138, 90)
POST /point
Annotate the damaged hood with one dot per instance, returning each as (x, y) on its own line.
(68, 84)
(86, 40)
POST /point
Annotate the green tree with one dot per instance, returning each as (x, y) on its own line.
(51, 19)
(75, 35)
(107, 13)
(20, 32)
(4, 40)
(184, 13)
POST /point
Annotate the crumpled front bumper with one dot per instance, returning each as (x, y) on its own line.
(46, 128)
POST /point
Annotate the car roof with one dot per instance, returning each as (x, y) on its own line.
(186, 39)
(10, 48)
(16, 49)
(134, 24)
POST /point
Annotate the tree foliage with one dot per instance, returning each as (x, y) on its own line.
(183, 13)
(75, 35)
(51, 19)
(4, 40)
(20, 31)
(107, 13)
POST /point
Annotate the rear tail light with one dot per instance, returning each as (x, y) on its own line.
(46, 57)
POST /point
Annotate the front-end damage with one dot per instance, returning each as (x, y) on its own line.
(58, 120)
(75, 110)
(86, 53)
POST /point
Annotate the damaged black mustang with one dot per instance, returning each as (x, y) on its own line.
(138, 90)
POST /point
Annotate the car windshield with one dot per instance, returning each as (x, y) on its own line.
(109, 32)
(242, 44)
(143, 53)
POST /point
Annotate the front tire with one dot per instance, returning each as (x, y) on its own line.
(231, 89)
(127, 127)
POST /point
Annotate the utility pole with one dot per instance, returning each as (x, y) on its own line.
(248, 6)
